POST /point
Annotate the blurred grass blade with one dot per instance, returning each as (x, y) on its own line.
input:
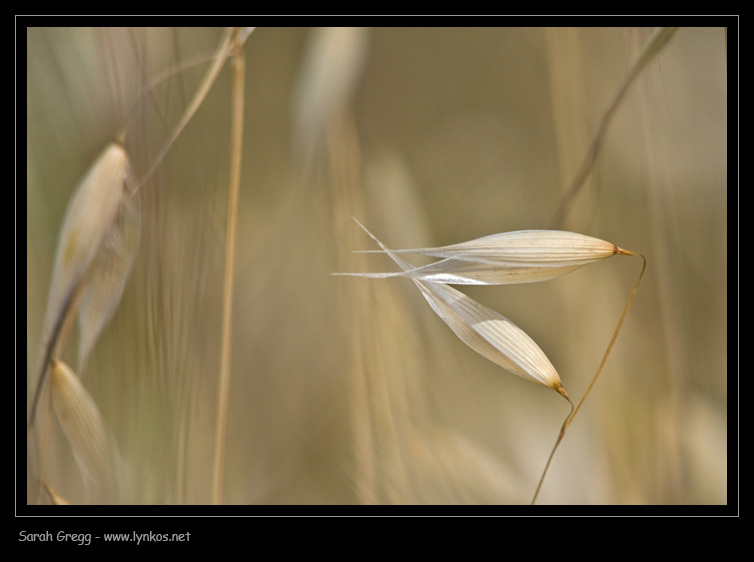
(237, 100)
(485, 331)
(512, 257)
(89, 218)
(55, 498)
(333, 64)
(656, 42)
(84, 428)
(233, 38)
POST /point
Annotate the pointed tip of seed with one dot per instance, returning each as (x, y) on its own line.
(560, 389)
(623, 251)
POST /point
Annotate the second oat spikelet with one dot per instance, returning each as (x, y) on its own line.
(97, 242)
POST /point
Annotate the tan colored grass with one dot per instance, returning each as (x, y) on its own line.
(373, 373)
(239, 69)
(97, 246)
(55, 498)
(610, 345)
(652, 48)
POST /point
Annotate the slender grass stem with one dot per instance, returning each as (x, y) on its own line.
(211, 75)
(574, 410)
(230, 240)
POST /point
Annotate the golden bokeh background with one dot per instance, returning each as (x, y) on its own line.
(352, 391)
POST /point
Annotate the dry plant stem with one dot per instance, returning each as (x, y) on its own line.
(574, 410)
(44, 438)
(656, 42)
(223, 51)
(230, 240)
(232, 37)
(57, 338)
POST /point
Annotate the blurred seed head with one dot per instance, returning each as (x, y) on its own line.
(96, 247)
(94, 450)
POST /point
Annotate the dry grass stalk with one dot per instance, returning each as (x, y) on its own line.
(656, 42)
(576, 409)
(239, 66)
(232, 39)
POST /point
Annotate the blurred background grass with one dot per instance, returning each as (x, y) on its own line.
(350, 390)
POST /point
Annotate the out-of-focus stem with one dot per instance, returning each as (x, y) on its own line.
(226, 44)
(230, 241)
(654, 45)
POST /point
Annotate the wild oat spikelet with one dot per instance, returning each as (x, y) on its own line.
(524, 256)
(491, 335)
(485, 331)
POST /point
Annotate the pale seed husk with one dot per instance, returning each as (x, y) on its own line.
(488, 333)
(512, 257)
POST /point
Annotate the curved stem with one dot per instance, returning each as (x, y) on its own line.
(225, 48)
(574, 410)
(653, 46)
